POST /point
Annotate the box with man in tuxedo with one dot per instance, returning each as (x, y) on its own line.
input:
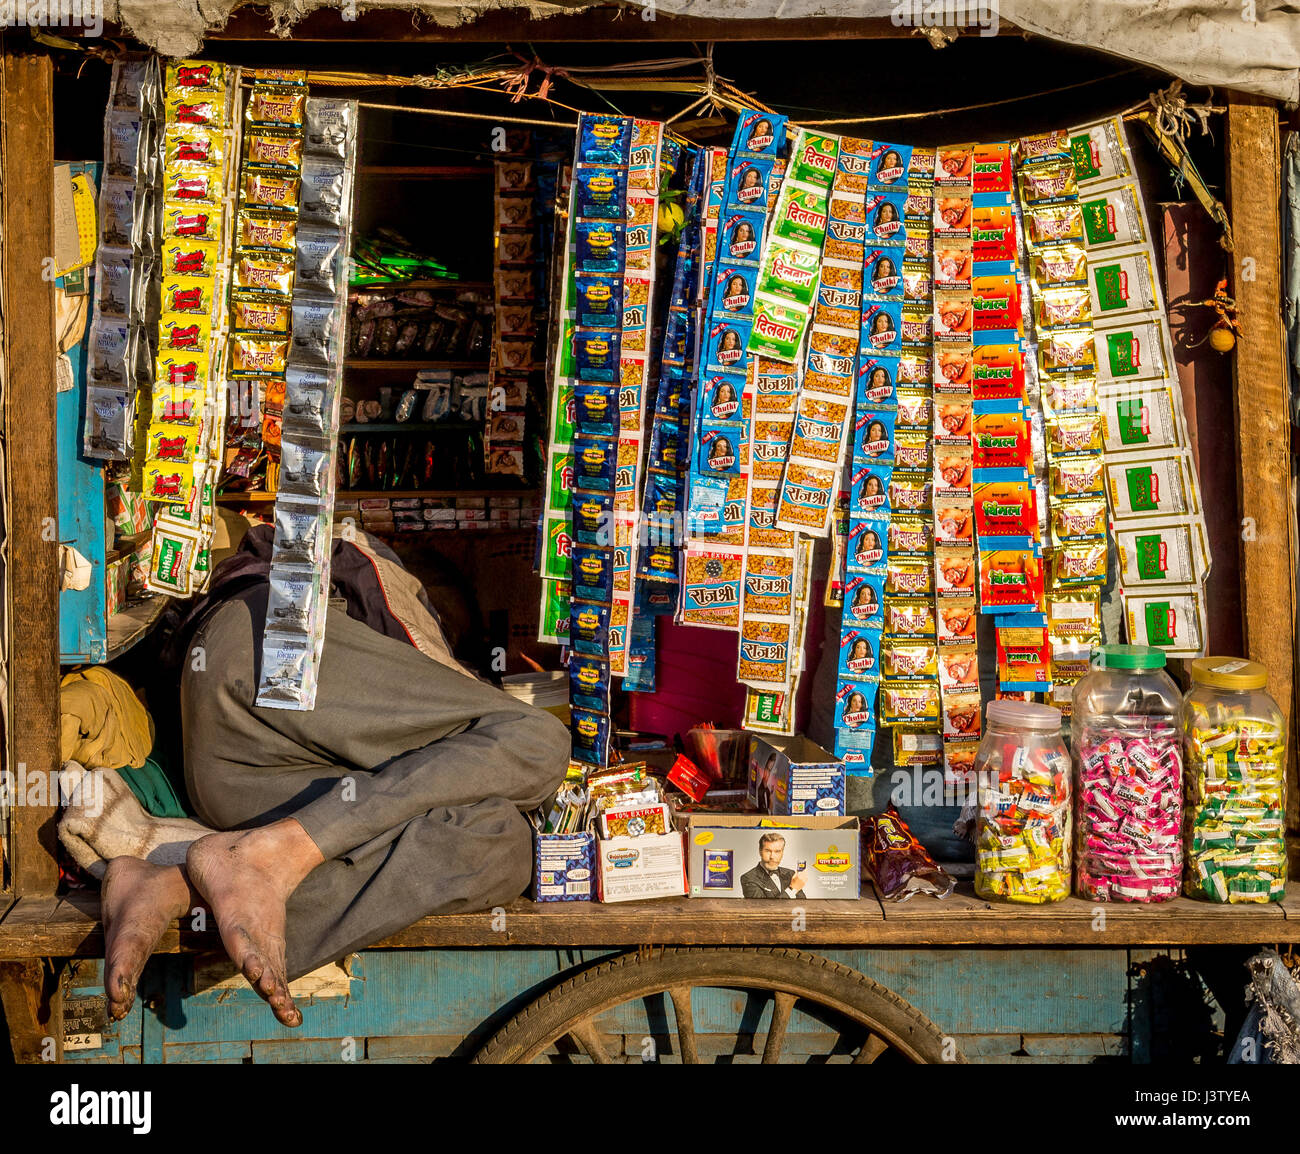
(770, 879)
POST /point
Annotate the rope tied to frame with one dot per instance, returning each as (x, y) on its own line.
(516, 83)
(1175, 116)
(1174, 113)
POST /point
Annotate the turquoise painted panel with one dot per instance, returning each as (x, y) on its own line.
(962, 991)
(414, 1004)
(82, 612)
(85, 985)
(1027, 991)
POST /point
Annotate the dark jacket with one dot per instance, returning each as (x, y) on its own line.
(758, 884)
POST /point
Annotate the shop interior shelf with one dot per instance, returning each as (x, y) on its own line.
(365, 494)
(426, 171)
(462, 285)
(362, 363)
(353, 427)
(130, 623)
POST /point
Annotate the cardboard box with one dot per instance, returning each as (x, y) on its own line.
(563, 867)
(792, 776)
(724, 857)
(649, 866)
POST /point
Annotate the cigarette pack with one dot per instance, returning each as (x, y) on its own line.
(563, 865)
(792, 776)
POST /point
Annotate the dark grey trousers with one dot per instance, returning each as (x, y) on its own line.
(408, 776)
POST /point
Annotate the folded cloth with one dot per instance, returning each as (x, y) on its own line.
(103, 820)
(101, 721)
(153, 788)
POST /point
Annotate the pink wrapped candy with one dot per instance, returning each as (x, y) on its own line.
(1129, 810)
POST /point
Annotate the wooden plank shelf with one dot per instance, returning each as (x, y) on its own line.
(132, 623)
(69, 926)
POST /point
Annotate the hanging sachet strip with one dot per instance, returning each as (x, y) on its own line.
(121, 345)
(1159, 522)
(555, 547)
(895, 401)
(723, 403)
(730, 284)
(1075, 553)
(643, 182)
(659, 558)
(772, 617)
(1005, 424)
(300, 576)
(953, 422)
(182, 447)
(599, 206)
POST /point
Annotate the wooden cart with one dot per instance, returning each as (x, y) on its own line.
(852, 981)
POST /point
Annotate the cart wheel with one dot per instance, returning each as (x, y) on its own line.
(868, 1021)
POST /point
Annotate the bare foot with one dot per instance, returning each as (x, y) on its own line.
(246, 879)
(138, 902)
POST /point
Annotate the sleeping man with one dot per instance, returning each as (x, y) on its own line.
(399, 795)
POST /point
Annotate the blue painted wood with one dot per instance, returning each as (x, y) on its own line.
(83, 625)
(1017, 1005)
(85, 979)
(1030, 991)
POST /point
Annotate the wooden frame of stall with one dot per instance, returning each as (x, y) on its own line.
(36, 925)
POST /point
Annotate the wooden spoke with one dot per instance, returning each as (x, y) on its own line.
(872, 1047)
(782, 1004)
(681, 996)
(585, 1034)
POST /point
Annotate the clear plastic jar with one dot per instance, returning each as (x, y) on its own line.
(1128, 787)
(1022, 843)
(1234, 739)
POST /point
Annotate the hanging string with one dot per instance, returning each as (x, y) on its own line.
(965, 107)
(471, 115)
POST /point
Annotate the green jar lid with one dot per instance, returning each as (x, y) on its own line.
(1128, 657)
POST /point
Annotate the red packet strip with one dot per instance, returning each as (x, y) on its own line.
(1011, 579)
(993, 233)
(1001, 439)
(997, 302)
(1006, 509)
(992, 167)
(998, 372)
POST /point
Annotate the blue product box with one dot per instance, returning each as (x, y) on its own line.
(564, 867)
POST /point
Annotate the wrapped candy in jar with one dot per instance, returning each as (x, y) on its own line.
(1022, 841)
(1129, 769)
(1234, 744)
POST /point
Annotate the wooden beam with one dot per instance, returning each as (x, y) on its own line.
(1194, 261)
(1263, 428)
(33, 1011)
(31, 576)
(52, 927)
